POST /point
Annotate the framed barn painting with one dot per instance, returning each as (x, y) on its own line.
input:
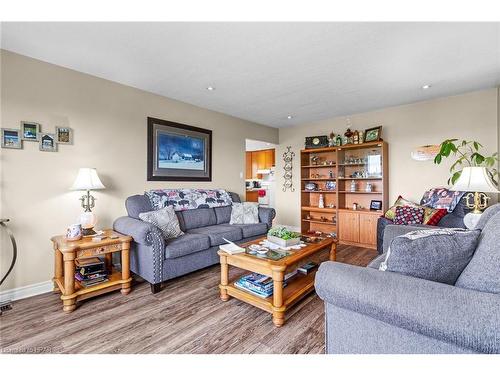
(178, 152)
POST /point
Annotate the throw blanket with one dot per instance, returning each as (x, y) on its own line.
(188, 199)
(439, 198)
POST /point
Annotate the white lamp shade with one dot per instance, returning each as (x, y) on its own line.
(87, 179)
(475, 179)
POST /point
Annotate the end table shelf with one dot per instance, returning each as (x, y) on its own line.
(65, 254)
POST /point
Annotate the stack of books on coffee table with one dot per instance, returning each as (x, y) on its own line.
(259, 285)
(90, 271)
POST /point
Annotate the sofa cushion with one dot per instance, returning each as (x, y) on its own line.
(252, 230)
(433, 254)
(442, 198)
(186, 244)
(137, 204)
(197, 218)
(483, 271)
(223, 214)
(217, 232)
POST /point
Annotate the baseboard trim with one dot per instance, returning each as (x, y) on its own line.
(26, 291)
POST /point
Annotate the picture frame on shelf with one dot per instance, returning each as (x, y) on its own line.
(30, 131)
(11, 138)
(373, 134)
(178, 152)
(48, 142)
(64, 135)
(376, 205)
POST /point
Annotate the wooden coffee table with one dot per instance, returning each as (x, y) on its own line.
(282, 298)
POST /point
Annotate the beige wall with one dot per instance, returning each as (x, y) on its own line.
(470, 116)
(109, 122)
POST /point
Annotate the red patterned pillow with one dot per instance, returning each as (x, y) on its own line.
(437, 216)
(407, 215)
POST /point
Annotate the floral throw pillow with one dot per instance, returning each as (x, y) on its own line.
(442, 198)
(165, 219)
(407, 215)
(245, 213)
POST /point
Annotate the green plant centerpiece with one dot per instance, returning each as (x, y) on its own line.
(468, 154)
(283, 236)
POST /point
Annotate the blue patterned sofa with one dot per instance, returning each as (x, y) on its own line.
(156, 260)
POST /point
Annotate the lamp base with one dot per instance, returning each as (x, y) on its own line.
(471, 219)
(88, 231)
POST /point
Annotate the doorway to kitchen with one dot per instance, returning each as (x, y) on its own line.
(260, 172)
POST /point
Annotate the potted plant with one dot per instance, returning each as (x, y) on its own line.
(283, 236)
(468, 155)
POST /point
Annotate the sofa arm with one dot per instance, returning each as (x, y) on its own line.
(266, 215)
(463, 317)
(142, 232)
(392, 231)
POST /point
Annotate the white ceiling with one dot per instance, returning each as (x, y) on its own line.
(253, 145)
(265, 71)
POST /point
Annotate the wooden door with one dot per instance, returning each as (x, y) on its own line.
(348, 226)
(368, 228)
(248, 165)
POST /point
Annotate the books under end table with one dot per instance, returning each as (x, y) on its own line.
(66, 253)
(284, 294)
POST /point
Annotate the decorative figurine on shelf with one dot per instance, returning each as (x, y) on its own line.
(355, 206)
(330, 185)
(331, 140)
(369, 187)
(353, 185)
(348, 136)
(331, 174)
(338, 140)
(355, 137)
(314, 160)
(321, 203)
(361, 136)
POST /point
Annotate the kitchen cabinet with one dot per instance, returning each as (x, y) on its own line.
(255, 160)
(252, 196)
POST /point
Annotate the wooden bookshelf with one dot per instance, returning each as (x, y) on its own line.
(355, 227)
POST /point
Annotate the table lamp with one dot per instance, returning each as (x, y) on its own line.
(87, 179)
(477, 182)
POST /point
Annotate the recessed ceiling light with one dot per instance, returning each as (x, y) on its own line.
(289, 117)
(210, 88)
(425, 87)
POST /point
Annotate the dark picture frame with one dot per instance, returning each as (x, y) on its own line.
(178, 152)
(373, 134)
(376, 205)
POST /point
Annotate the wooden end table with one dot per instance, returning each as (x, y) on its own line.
(66, 252)
(282, 298)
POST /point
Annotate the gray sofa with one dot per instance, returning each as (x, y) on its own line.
(371, 311)
(156, 259)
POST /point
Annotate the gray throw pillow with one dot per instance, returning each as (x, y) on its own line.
(245, 213)
(433, 254)
(483, 271)
(165, 219)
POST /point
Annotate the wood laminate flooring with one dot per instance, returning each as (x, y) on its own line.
(187, 316)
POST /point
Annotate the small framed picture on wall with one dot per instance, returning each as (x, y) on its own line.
(30, 131)
(48, 142)
(11, 138)
(64, 135)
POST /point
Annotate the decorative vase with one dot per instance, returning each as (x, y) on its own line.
(321, 203)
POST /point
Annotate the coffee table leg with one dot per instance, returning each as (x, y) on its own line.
(224, 278)
(278, 313)
(333, 252)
